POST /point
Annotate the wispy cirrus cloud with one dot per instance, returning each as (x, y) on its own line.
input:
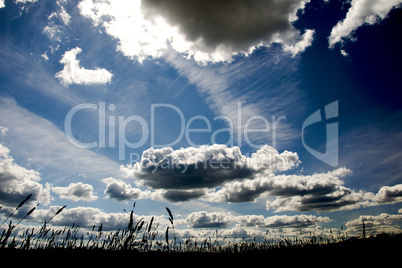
(22, 69)
(261, 104)
(52, 150)
(57, 21)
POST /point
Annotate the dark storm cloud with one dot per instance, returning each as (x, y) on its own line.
(182, 195)
(234, 24)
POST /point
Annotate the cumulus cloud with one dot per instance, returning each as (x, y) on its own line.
(121, 191)
(281, 221)
(83, 217)
(205, 167)
(73, 73)
(319, 184)
(76, 192)
(214, 220)
(383, 223)
(2, 4)
(217, 173)
(361, 12)
(389, 194)
(203, 219)
(205, 30)
(341, 199)
(319, 192)
(17, 182)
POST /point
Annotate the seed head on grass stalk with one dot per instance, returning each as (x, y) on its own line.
(167, 237)
(19, 205)
(171, 221)
(57, 213)
(26, 215)
(150, 224)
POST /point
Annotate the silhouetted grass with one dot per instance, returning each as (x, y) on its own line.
(143, 239)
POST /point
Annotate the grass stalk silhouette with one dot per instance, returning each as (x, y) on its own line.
(142, 236)
(19, 205)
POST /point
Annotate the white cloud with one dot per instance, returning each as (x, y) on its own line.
(57, 22)
(299, 44)
(279, 185)
(44, 56)
(24, 1)
(121, 191)
(76, 192)
(2, 4)
(61, 15)
(138, 38)
(205, 30)
(344, 53)
(205, 167)
(389, 194)
(360, 13)
(53, 32)
(3, 131)
(281, 221)
(73, 73)
(85, 217)
(383, 223)
(341, 199)
(17, 182)
(24, 70)
(203, 219)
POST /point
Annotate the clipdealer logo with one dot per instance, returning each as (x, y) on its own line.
(108, 136)
(331, 111)
(107, 129)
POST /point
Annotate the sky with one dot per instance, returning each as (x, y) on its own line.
(242, 117)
